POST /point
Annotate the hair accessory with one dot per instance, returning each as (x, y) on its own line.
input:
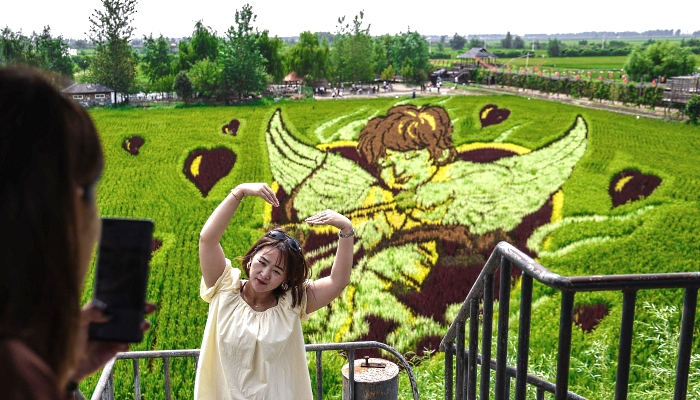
(290, 241)
(346, 235)
(233, 194)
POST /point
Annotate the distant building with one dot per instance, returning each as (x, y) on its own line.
(90, 94)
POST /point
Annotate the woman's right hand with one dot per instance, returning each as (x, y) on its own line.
(259, 189)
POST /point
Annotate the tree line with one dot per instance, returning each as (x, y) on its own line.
(242, 61)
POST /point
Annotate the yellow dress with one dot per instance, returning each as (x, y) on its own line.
(250, 355)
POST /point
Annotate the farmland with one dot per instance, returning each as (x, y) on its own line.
(597, 219)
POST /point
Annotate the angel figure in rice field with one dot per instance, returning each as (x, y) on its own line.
(426, 216)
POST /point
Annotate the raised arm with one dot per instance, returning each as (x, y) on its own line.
(321, 292)
(211, 256)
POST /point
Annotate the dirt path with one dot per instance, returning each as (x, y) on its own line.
(403, 90)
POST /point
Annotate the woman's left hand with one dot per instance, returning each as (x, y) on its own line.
(332, 218)
(94, 354)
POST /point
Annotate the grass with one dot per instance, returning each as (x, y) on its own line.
(607, 63)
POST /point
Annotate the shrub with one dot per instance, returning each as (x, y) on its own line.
(692, 109)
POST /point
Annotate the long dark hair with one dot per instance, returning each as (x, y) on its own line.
(48, 147)
(298, 269)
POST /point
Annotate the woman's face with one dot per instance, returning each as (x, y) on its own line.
(88, 225)
(406, 170)
(266, 269)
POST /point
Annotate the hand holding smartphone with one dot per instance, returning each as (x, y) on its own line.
(121, 279)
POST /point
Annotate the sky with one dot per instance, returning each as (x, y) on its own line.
(176, 18)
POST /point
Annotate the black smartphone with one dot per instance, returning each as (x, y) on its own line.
(121, 278)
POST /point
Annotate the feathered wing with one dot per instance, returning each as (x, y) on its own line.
(320, 180)
(498, 195)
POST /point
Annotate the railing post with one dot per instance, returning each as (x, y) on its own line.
(166, 372)
(502, 340)
(690, 302)
(523, 336)
(351, 374)
(629, 299)
(487, 331)
(540, 394)
(137, 379)
(319, 375)
(459, 387)
(449, 354)
(473, 348)
(565, 322)
(110, 386)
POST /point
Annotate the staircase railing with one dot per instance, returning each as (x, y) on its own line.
(505, 256)
(105, 386)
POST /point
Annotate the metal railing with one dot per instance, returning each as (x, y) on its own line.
(105, 386)
(504, 256)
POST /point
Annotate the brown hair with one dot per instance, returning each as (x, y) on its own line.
(407, 127)
(296, 266)
(48, 146)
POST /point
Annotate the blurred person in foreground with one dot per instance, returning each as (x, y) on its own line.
(50, 163)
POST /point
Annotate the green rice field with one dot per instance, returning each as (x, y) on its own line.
(626, 200)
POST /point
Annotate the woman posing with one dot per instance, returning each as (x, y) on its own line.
(253, 346)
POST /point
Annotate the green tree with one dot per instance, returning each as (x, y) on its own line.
(206, 77)
(271, 50)
(40, 50)
(441, 44)
(242, 65)
(164, 84)
(13, 46)
(82, 61)
(457, 42)
(352, 53)
(518, 42)
(308, 58)
(114, 62)
(554, 47)
(156, 61)
(475, 42)
(692, 110)
(381, 60)
(185, 55)
(407, 70)
(52, 53)
(183, 86)
(204, 43)
(507, 42)
(388, 73)
(410, 48)
(440, 47)
(114, 65)
(659, 59)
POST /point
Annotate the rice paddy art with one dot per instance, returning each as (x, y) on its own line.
(427, 215)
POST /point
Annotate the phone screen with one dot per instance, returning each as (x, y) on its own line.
(121, 278)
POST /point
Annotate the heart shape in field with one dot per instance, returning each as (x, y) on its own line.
(206, 167)
(231, 128)
(588, 316)
(490, 114)
(133, 144)
(631, 185)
